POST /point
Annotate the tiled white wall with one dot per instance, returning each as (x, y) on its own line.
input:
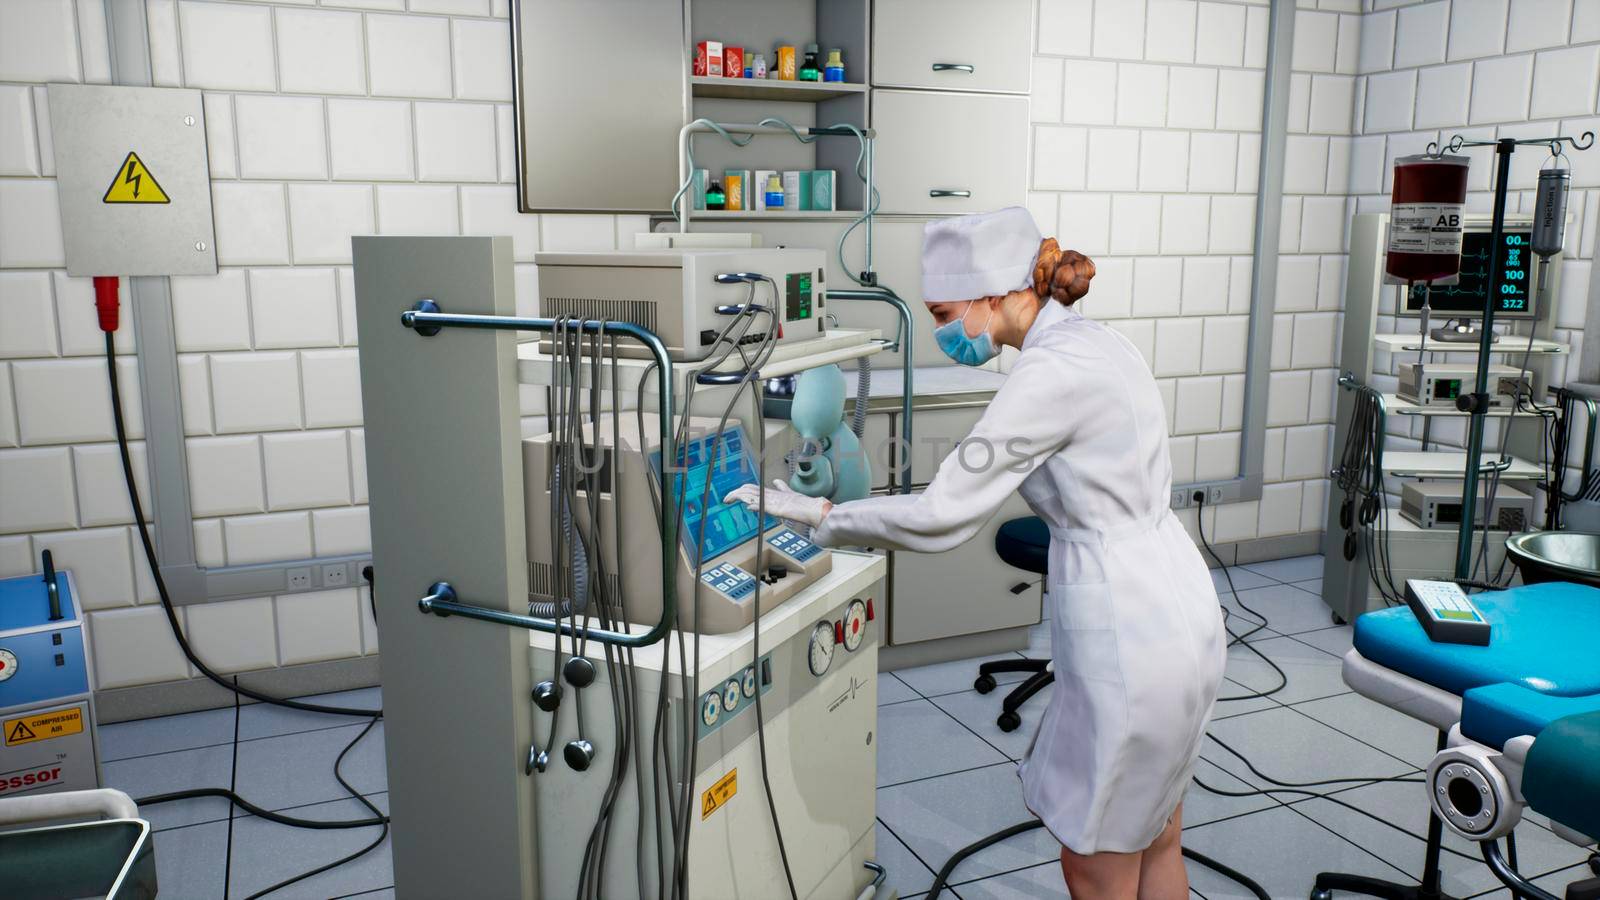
(323, 121)
(1483, 69)
(1146, 143)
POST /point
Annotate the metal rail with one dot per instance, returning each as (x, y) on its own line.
(902, 343)
(427, 319)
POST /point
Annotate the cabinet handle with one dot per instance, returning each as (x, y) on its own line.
(938, 192)
(952, 67)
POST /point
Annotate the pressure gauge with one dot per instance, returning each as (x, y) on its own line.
(750, 682)
(730, 696)
(855, 624)
(8, 664)
(820, 655)
(711, 711)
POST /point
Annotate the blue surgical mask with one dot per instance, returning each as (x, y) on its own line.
(964, 349)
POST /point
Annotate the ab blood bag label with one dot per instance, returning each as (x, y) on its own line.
(1425, 228)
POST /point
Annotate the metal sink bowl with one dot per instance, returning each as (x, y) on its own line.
(1556, 556)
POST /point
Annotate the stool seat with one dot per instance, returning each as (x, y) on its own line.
(1025, 543)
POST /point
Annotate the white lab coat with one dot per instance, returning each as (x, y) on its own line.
(1136, 629)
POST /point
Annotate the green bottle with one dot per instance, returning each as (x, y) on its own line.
(808, 69)
(715, 198)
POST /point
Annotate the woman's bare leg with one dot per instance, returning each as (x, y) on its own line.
(1101, 876)
(1162, 875)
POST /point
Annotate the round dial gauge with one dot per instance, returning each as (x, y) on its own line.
(820, 655)
(8, 664)
(712, 710)
(855, 624)
(730, 695)
(749, 682)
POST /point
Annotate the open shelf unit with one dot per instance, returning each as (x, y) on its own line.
(1451, 464)
(1511, 344)
(767, 89)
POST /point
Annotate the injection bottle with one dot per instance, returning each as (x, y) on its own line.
(760, 68)
(774, 192)
(834, 70)
(808, 69)
(715, 198)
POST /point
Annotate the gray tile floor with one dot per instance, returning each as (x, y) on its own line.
(946, 777)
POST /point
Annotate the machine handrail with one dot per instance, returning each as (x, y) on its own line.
(902, 343)
(426, 319)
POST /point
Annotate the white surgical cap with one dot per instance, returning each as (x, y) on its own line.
(984, 255)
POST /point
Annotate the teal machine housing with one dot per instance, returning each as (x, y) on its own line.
(829, 461)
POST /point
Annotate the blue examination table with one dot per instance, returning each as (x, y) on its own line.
(1519, 722)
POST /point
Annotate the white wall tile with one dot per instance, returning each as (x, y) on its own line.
(1170, 30)
(492, 210)
(1390, 101)
(194, 393)
(134, 646)
(1198, 406)
(1111, 293)
(1377, 43)
(452, 7)
(482, 63)
(1585, 23)
(455, 142)
(227, 46)
(36, 488)
(409, 56)
(1366, 165)
(1347, 58)
(38, 41)
(233, 636)
(370, 140)
(222, 150)
(1272, 463)
(341, 531)
(1216, 456)
(294, 308)
(252, 225)
(1059, 157)
(417, 209)
(1089, 92)
(1141, 94)
(332, 388)
(225, 475)
(1157, 287)
(1163, 160)
(1062, 28)
(1315, 38)
(1314, 335)
(102, 492)
(1280, 509)
(281, 137)
(1288, 398)
(68, 400)
(1305, 164)
(210, 312)
(1212, 159)
(1192, 98)
(1085, 223)
(1314, 505)
(1421, 34)
(1322, 224)
(1442, 94)
(1119, 29)
(1178, 346)
(8, 411)
(1113, 159)
(1045, 98)
(1247, 176)
(321, 52)
(255, 391)
(323, 218)
(318, 626)
(1135, 224)
(41, 126)
(1142, 334)
(1225, 344)
(267, 538)
(1232, 402)
(1282, 341)
(307, 469)
(1219, 34)
(1297, 283)
(1185, 223)
(1239, 96)
(358, 464)
(1255, 38)
(576, 232)
(1332, 104)
(1477, 28)
(1299, 103)
(1232, 224)
(1338, 165)
(30, 225)
(1500, 89)
(100, 561)
(1181, 451)
(1205, 286)
(27, 316)
(1323, 388)
(1533, 24)
(1565, 81)
(19, 151)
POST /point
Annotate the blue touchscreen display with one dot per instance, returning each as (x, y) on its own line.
(728, 462)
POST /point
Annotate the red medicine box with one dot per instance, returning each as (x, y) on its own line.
(733, 62)
(708, 58)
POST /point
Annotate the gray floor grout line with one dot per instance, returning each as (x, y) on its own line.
(264, 737)
(915, 855)
(1380, 860)
(242, 814)
(1008, 761)
(387, 887)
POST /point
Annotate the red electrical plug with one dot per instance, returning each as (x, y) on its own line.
(106, 302)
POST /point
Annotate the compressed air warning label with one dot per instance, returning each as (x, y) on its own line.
(1425, 228)
(133, 183)
(718, 795)
(43, 726)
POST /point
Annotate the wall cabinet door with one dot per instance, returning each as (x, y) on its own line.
(942, 153)
(953, 45)
(964, 591)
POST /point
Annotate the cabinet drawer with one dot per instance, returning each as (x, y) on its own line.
(948, 153)
(953, 45)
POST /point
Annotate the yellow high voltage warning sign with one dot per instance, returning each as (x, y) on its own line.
(133, 183)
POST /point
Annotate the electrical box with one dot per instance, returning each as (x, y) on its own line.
(134, 180)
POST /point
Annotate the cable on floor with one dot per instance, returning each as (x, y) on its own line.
(1283, 679)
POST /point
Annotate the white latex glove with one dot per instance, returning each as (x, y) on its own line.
(782, 501)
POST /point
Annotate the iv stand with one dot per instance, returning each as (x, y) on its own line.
(1476, 404)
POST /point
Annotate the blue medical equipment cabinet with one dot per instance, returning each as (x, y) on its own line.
(47, 734)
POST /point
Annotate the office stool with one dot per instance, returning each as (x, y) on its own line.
(1025, 544)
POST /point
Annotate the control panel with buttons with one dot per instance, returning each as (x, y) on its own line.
(785, 541)
(731, 580)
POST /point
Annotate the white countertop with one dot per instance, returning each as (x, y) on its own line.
(926, 380)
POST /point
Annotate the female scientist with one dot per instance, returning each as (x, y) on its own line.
(1136, 629)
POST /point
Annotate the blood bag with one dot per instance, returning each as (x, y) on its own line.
(1425, 218)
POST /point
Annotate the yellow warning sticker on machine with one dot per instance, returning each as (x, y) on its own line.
(43, 726)
(718, 795)
(133, 183)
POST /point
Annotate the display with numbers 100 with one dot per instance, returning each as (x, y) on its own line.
(1468, 295)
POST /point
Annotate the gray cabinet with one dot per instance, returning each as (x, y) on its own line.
(953, 45)
(944, 153)
(964, 591)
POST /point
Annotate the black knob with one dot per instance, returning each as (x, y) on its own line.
(547, 695)
(579, 754)
(578, 672)
(777, 571)
(1473, 403)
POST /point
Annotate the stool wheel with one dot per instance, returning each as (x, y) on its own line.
(1009, 721)
(1322, 895)
(984, 684)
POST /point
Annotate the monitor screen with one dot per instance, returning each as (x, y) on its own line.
(727, 461)
(1466, 296)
